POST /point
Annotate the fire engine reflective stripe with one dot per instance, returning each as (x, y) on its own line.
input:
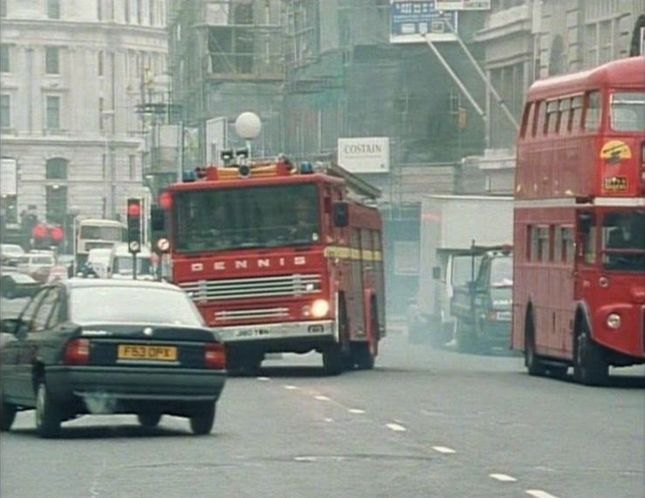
(351, 253)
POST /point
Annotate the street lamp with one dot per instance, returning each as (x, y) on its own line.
(248, 126)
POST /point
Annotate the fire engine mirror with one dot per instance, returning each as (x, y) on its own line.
(157, 219)
(341, 214)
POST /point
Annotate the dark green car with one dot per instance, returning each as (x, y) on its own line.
(97, 346)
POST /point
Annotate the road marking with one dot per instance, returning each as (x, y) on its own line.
(305, 459)
(502, 477)
(320, 397)
(396, 427)
(443, 449)
(538, 493)
(327, 419)
(263, 379)
(356, 410)
(290, 387)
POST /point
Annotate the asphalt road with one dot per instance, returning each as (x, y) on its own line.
(424, 423)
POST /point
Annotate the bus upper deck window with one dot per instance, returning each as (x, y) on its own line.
(628, 111)
(592, 111)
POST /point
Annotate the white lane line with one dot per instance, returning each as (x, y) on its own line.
(538, 493)
(327, 419)
(396, 427)
(444, 449)
(290, 387)
(502, 477)
(356, 410)
(320, 397)
(263, 379)
(305, 459)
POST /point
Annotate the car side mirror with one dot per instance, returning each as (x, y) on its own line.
(340, 213)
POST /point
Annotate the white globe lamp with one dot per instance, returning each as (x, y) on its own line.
(248, 125)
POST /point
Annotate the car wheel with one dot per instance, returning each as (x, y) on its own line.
(7, 415)
(465, 336)
(149, 419)
(48, 413)
(202, 420)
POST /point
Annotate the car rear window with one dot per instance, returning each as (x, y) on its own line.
(123, 304)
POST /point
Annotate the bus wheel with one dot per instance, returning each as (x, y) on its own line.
(589, 364)
(532, 361)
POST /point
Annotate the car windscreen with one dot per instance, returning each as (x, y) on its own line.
(233, 218)
(101, 233)
(124, 304)
(501, 272)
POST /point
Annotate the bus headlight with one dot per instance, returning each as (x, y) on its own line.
(319, 308)
(613, 321)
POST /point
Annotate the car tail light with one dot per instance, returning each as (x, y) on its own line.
(215, 356)
(77, 352)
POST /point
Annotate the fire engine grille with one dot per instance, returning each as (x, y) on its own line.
(254, 314)
(253, 288)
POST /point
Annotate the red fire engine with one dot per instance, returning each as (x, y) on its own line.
(579, 229)
(280, 258)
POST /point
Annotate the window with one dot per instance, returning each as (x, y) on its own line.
(552, 117)
(538, 248)
(565, 110)
(587, 228)
(3, 8)
(99, 63)
(132, 165)
(592, 112)
(126, 9)
(139, 11)
(566, 245)
(151, 13)
(5, 61)
(52, 113)
(540, 118)
(527, 118)
(5, 111)
(104, 165)
(53, 9)
(52, 63)
(44, 312)
(56, 169)
(101, 117)
(628, 111)
(99, 10)
(576, 114)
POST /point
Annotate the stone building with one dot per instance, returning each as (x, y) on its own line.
(72, 75)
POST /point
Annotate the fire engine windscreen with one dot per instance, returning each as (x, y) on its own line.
(251, 217)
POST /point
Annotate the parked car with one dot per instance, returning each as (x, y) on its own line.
(9, 254)
(16, 284)
(110, 346)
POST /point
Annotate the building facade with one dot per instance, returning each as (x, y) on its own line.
(73, 75)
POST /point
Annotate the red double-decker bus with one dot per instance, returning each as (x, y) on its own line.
(281, 258)
(579, 223)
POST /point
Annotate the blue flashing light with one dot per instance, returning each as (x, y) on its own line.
(306, 168)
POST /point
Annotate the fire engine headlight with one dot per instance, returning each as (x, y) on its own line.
(319, 308)
(613, 321)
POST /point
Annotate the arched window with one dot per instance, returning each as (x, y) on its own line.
(56, 169)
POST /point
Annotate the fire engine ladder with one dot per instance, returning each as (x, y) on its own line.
(489, 86)
(356, 184)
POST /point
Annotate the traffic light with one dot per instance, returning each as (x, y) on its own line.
(134, 224)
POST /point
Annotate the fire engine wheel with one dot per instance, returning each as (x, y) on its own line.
(589, 364)
(363, 355)
(333, 360)
(532, 361)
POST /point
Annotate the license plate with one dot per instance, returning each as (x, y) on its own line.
(144, 352)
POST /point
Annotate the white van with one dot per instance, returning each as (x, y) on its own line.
(121, 263)
(99, 259)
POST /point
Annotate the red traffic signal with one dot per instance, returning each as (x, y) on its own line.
(134, 208)
(57, 234)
